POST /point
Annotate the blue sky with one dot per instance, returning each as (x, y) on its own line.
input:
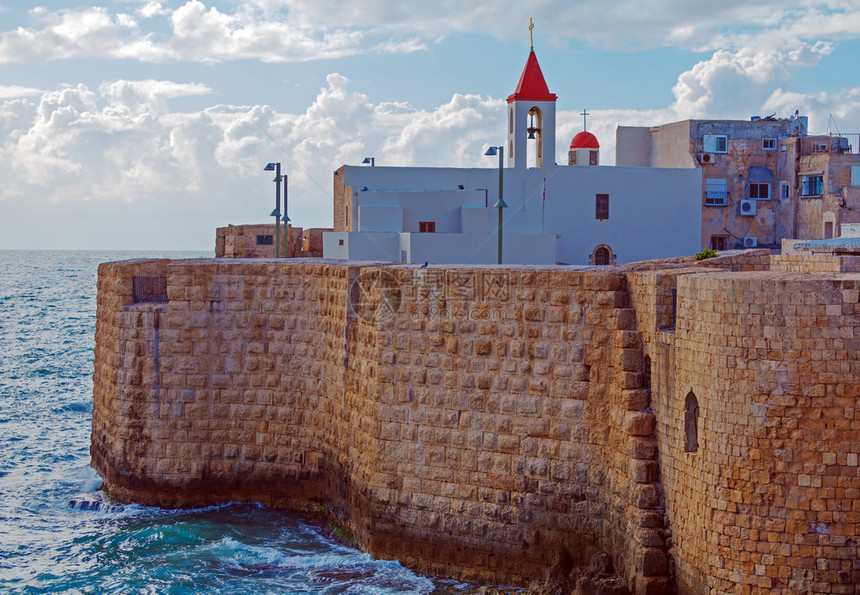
(145, 125)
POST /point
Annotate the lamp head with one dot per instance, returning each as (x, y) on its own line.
(269, 167)
(500, 204)
(275, 213)
(492, 151)
(285, 219)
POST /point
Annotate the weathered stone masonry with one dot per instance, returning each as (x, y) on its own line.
(479, 420)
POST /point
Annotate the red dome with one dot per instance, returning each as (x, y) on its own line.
(584, 140)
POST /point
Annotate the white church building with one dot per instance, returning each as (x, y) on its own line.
(577, 213)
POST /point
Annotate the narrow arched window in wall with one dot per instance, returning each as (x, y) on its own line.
(691, 423)
(646, 373)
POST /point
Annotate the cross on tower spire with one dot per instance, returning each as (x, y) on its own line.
(532, 32)
(584, 115)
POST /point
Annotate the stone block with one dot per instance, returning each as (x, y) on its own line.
(639, 423)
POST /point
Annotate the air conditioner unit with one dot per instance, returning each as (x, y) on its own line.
(747, 207)
(750, 242)
(707, 157)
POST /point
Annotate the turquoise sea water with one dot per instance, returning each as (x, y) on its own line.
(51, 538)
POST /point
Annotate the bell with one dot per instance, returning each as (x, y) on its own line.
(532, 131)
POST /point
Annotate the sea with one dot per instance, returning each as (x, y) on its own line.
(59, 534)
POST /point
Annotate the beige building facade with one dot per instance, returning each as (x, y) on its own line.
(763, 180)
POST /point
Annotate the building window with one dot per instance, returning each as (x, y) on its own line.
(592, 158)
(719, 243)
(715, 143)
(572, 158)
(768, 144)
(427, 226)
(691, 423)
(812, 185)
(340, 242)
(759, 191)
(601, 207)
(265, 240)
(855, 175)
(602, 256)
(716, 191)
(784, 190)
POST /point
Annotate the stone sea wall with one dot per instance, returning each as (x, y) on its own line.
(501, 424)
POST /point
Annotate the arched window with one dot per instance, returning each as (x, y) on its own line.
(646, 373)
(602, 255)
(535, 132)
(691, 423)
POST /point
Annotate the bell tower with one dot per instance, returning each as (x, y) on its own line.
(531, 116)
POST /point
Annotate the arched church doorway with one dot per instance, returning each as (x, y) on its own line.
(602, 255)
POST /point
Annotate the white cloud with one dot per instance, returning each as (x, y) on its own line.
(151, 9)
(733, 83)
(10, 91)
(197, 34)
(122, 142)
(302, 30)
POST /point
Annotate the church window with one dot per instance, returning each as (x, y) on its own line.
(601, 207)
(691, 423)
(427, 226)
(592, 157)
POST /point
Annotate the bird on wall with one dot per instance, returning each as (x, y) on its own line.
(424, 266)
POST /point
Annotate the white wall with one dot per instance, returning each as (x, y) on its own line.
(653, 212)
(380, 218)
(361, 246)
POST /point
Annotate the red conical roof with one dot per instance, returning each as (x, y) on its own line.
(584, 140)
(532, 86)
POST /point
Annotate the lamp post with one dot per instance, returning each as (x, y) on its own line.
(370, 160)
(276, 167)
(500, 204)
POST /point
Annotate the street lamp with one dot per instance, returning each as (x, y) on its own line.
(500, 204)
(370, 160)
(276, 167)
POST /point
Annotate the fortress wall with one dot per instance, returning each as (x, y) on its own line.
(506, 433)
(769, 499)
(125, 363)
(241, 357)
(809, 262)
(468, 420)
(501, 424)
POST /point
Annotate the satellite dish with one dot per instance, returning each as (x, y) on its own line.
(795, 128)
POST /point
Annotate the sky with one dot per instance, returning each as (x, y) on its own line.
(136, 124)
